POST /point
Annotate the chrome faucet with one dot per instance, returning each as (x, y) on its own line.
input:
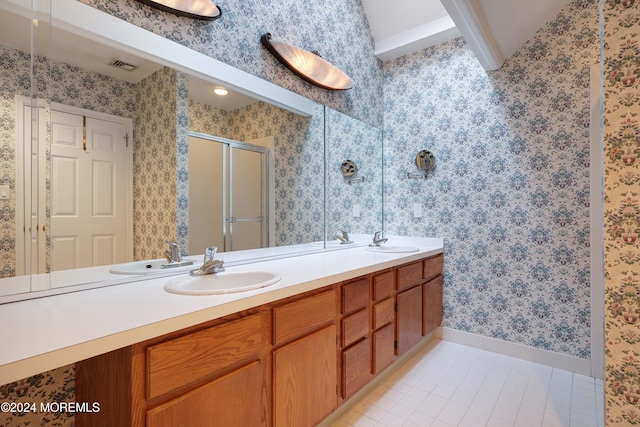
(343, 236)
(174, 256)
(378, 239)
(210, 265)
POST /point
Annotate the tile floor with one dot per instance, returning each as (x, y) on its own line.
(448, 384)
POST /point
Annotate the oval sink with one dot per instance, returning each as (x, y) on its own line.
(392, 249)
(222, 283)
(149, 267)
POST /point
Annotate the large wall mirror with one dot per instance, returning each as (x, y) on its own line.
(118, 140)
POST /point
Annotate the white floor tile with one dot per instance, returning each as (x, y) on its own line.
(451, 385)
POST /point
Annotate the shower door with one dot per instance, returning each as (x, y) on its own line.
(228, 194)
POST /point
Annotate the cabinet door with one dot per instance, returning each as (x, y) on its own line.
(409, 319)
(233, 400)
(355, 368)
(383, 348)
(431, 305)
(305, 379)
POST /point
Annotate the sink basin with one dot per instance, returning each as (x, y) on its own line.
(222, 283)
(148, 267)
(392, 249)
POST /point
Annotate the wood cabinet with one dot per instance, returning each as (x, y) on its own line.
(409, 319)
(228, 401)
(305, 360)
(383, 318)
(184, 376)
(355, 346)
(431, 305)
(286, 363)
(304, 377)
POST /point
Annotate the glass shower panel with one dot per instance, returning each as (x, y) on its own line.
(247, 199)
(206, 194)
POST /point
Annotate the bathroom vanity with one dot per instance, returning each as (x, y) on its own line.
(290, 361)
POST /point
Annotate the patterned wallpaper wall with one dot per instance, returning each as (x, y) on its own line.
(510, 188)
(235, 39)
(154, 164)
(67, 85)
(622, 210)
(299, 166)
(351, 139)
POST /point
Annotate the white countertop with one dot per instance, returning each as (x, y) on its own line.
(46, 333)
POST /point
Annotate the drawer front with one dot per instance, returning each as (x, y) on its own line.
(383, 348)
(355, 295)
(301, 317)
(186, 359)
(356, 363)
(222, 402)
(382, 286)
(383, 313)
(409, 275)
(355, 327)
(432, 267)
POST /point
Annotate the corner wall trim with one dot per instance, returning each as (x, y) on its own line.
(475, 31)
(531, 354)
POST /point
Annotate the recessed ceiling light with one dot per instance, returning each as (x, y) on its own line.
(220, 91)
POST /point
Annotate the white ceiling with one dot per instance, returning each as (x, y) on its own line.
(494, 29)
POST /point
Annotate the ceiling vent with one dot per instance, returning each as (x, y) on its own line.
(117, 63)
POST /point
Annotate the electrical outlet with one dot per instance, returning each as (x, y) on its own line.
(417, 210)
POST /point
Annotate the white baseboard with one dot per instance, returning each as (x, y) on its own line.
(531, 354)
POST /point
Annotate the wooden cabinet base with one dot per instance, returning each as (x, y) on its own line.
(304, 380)
(236, 399)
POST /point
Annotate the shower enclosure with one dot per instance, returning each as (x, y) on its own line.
(228, 194)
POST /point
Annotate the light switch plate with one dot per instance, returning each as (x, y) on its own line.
(356, 211)
(417, 210)
(5, 192)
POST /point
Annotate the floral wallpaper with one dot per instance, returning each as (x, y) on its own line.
(351, 139)
(510, 189)
(235, 39)
(622, 210)
(299, 149)
(67, 85)
(298, 154)
(154, 164)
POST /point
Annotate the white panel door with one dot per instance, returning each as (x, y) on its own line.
(88, 192)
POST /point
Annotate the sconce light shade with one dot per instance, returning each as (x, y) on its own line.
(196, 9)
(307, 65)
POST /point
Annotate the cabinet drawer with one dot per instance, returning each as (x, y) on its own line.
(355, 327)
(382, 285)
(222, 402)
(383, 313)
(355, 295)
(432, 267)
(355, 368)
(409, 275)
(186, 359)
(300, 317)
(383, 348)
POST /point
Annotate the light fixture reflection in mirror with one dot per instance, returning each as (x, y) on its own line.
(220, 91)
(309, 66)
(195, 9)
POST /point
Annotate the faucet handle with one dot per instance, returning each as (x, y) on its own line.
(210, 253)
